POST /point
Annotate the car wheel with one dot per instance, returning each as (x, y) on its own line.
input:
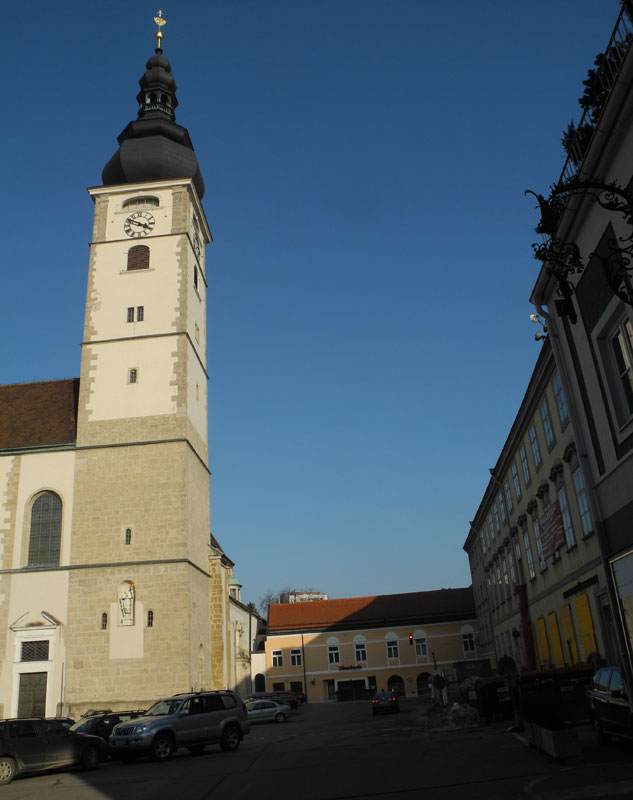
(279, 717)
(196, 749)
(90, 758)
(162, 747)
(8, 769)
(601, 736)
(230, 738)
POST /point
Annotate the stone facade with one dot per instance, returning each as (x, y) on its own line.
(130, 609)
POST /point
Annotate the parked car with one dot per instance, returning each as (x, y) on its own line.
(67, 722)
(268, 711)
(292, 699)
(102, 723)
(191, 720)
(608, 698)
(35, 744)
(385, 702)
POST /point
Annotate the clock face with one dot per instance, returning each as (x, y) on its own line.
(139, 224)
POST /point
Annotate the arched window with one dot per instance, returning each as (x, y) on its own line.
(104, 621)
(468, 638)
(141, 202)
(46, 530)
(138, 257)
(150, 619)
(128, 536)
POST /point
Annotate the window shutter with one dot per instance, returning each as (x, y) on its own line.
(138, 257)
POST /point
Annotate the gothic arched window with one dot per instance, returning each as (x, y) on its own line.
(138, 257)
(150, 619)
(46, 530)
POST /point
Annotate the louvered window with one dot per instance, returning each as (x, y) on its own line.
(46, 528)
(34, 651)
(138, 257)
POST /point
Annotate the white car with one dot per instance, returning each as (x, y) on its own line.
(267, 711)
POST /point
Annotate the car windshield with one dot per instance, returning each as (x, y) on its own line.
(83, 726)
(164, 707)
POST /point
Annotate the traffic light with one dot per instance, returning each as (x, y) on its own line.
(411, 638)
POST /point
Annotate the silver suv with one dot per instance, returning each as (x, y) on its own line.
(191, 720)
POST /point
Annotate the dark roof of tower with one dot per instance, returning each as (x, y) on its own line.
(153, 147)
(42, 414)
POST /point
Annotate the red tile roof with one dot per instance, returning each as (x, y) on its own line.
(442, 605)
(38, 414)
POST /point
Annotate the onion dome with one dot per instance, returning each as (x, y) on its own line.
(153, 147)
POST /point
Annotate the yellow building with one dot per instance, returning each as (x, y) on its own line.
(352, 647)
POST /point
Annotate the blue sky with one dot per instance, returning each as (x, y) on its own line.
(368, 315)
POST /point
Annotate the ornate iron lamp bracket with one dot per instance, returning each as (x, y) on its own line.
(563, 259)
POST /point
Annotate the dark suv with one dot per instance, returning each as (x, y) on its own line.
(610, 710)
(191, 720)
(34, 745)
(101, 723)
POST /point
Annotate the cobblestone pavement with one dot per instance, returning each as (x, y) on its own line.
(342, 752)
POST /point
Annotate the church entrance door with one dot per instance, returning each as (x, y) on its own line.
(32, 694)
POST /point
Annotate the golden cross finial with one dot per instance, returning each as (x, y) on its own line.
(160, 21)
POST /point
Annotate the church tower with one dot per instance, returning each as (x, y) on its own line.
(138, 587)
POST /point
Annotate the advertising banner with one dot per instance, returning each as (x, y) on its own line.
(551, 530)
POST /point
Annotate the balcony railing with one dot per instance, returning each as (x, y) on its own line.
(606, 74)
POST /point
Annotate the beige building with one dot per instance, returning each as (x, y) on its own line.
(352, 647)
(584, 293)
(538, 577)
(108, 594)
(238, 631)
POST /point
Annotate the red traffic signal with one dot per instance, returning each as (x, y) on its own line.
(410, 638)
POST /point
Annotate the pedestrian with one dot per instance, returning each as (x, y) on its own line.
(440, 694)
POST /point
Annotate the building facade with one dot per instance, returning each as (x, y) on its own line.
(584, 294)
(105, 584)
(350, 648)
(301, 596)
(538, 577)
(237, 630)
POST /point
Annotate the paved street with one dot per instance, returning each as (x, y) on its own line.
(340, 752)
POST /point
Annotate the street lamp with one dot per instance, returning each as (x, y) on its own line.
(562, 259)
